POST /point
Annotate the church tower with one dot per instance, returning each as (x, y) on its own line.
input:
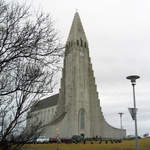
(78, 108)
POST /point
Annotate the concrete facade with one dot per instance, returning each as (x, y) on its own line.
(78, 108)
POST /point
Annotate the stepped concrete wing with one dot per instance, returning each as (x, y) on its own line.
(45, 103)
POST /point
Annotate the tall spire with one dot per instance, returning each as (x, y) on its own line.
(78, 108)
(76, 31)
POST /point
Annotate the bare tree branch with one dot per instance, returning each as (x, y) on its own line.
(30, 55)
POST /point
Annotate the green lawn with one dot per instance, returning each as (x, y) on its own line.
(144, 144)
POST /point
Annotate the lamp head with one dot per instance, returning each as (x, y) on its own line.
(120, 113)
(133, 78)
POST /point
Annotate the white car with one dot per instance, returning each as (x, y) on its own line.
(42, 139)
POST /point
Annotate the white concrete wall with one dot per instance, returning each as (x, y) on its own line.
(43, 115)
(111, 132)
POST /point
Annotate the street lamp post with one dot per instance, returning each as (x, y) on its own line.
(121, 129)
(133, 82)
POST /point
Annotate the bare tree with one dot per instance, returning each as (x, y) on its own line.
(29, 58)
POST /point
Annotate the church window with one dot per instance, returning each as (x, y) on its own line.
(85, 44)
(69, 44)
(42, 116)
(66, 46)
(48, 115)
(82, 119)
(81, 42)
(45, 117)
(77, 42)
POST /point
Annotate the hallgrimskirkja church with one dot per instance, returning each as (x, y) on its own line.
(75, 110)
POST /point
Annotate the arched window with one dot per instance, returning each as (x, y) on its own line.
(82, 119)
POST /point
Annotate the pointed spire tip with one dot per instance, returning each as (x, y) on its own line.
(77, 31)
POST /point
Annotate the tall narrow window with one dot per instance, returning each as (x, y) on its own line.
(85, 44)
(67, 46)
(77, 42)
(81, 42)
(82, 119)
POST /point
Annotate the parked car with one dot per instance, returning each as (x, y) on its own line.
(32, 141)
(77, 138)
(42, 139)
(53, 140)
(66, 140)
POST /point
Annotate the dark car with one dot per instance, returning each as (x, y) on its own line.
(66, 140)
(77, 138)
(53, 140)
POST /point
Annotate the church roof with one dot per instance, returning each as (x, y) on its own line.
(45, 103)
(76, 31)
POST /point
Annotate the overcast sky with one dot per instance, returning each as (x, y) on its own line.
(118, 32)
